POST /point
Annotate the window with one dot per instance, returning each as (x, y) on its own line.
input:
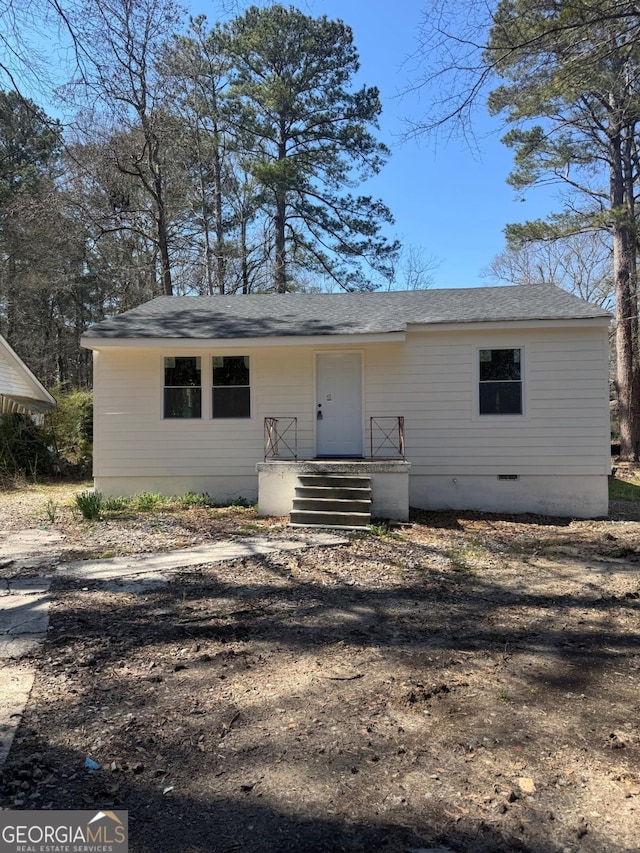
(182, 387)
(500, 382)
(231, 388)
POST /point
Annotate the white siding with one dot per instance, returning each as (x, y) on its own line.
(431, 380)
(132, 439)
(11, 382)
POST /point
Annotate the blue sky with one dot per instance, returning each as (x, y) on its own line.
(452, 202)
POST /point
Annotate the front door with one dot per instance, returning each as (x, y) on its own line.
(339, 404)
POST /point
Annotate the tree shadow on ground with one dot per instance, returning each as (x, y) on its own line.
(453, 519)
(460, 613)
(367, 745)
(164, 820)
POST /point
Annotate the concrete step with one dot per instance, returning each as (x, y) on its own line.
(335, 481)
(338, 493)
(331, 504)
(309, 518)
(332, 500)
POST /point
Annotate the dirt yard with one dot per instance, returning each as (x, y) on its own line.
(466, 683)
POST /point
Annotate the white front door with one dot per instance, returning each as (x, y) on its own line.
(339, 404)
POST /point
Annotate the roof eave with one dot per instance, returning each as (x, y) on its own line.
(94, 342)
(11, 402)
(497, 325)
(41, 395)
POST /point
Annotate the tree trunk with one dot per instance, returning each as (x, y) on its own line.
(627, 384)
(244, 255)
(280, 271)
(625, 284)
(11, 305)
(156, 187)
(221, 259)
(208, 272)
(163, 239)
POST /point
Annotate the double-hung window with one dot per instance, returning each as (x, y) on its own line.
(231, 393)
(500, 382)
(182, 387)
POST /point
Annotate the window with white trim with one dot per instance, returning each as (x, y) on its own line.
(231, 393)
(182, 387)
(500, 382)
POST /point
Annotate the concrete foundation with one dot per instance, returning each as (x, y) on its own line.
(579, 496)
(220, 489)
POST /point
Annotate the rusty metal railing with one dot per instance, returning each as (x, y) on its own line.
(280, 438)
(386, 434)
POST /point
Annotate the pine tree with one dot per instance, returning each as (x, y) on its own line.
(571, 91)
(308, 137)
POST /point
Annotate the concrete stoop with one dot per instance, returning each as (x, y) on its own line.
(332, 500)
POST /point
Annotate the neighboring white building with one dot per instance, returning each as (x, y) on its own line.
(20, 391)
(503, 392)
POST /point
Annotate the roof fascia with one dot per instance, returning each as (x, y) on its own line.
(501, 325)
(40, 392)
(241, 343)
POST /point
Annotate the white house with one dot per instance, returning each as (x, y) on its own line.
(494, 399)
(20, 391)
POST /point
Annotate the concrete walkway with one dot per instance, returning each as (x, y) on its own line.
(168, 561)
(24, 617)
(32, 548)
(24, 602)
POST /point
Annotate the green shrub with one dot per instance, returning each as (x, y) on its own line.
(90, 504)
(24, 447)
(71, 426)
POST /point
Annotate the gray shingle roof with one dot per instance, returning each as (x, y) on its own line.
(278, 315)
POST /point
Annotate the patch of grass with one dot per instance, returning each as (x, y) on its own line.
(383, 528)
(96, 555)
(463, 557)
(90, 504)
(249, 528)
(243, 503)
(193, 499)
(148, 501)
(233, 503)
(116, 504)
(526, 547)
(152, 501)
(623, 490)
(51, 508)
(380, 529)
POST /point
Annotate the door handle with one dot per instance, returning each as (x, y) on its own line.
(319, 412)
